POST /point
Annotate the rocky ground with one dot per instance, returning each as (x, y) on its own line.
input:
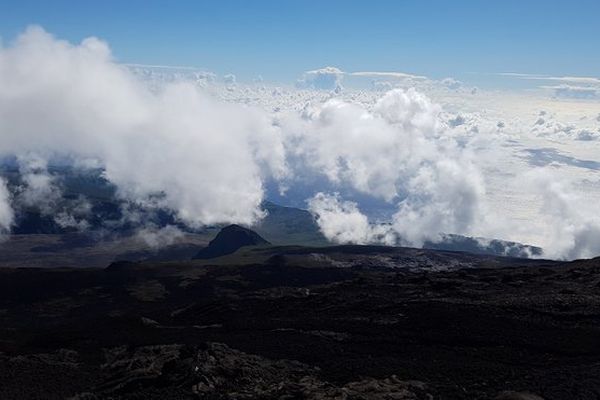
(304, 325)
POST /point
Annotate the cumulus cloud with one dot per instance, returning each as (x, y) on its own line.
(328, 78)
(442, 197)
(39, 189)
(573, 224)
(369, 150)
(204, 159)
(446, 196)
(342, 222)
(400, 151)
(397, 152)
(558, 130)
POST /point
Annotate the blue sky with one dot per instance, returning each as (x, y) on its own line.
(280, 39)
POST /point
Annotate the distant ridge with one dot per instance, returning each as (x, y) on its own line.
(229, 240)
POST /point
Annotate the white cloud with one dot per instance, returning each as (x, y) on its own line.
(164, 139)
(574, 79)
(451, 83)
(575, 92)
(371, 151)
(446, 196)
(388, 75)
(166, 67)
(328, 78)
(155, 76)
(573, 223)
(342, 222)
(402, 152)
(229, 79)
(39, 189)
(397, 152)
(554, 129)
(574, 87)
(587, 135)
(205, 159)
(6, 212)
(566, 79)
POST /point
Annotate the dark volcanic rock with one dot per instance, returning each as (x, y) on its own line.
(229, 240)
(493, 247)
(508, 395)
(345, 322)
(52, 376)
(215, 371)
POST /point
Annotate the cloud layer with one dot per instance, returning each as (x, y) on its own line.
(207, 148)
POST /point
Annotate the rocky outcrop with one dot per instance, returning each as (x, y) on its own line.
(229, 240)
(218, 372)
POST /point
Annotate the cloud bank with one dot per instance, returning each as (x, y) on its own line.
(174, 142)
